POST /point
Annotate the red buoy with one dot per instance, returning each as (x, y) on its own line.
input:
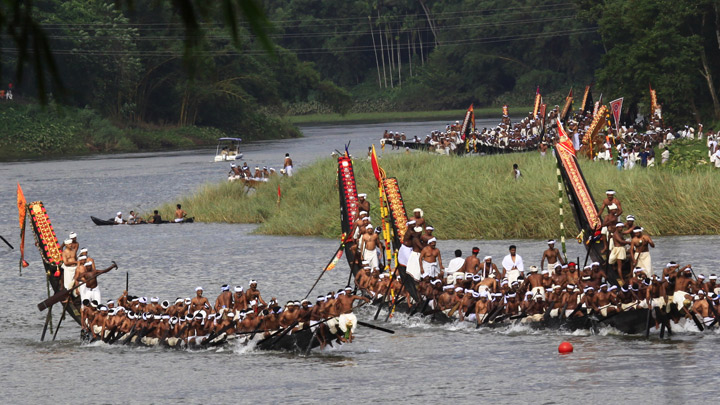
(565, 348)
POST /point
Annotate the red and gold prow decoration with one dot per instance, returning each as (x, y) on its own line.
(538, 101)
(380, 176)
(566, 152)
(22, 213)
(398, 214)
(47, 241)
(583, 107)
(348, 195)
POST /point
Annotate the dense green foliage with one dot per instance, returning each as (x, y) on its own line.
(31, 130)
(488, 204)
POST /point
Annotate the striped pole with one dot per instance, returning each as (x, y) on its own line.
(562, 217)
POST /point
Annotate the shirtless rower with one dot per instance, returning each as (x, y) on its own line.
(427, 235)
(639, 251)
(347, 322)
(617, 249)
(198, 303)
(472, 263)
(447, 299)
(223, 303)
(482, 308)
(289, 315)
(702, 308)
(239, 300)
(89, 277)
(552, 254)
(180, 214)
(431, 260)
(605, 301)
(252, 295)
(684, 285)
(363, 203)
(609, 200)
(288, 165)
(569, 299)
(414, 267)
(69, 264)
(418, 218)
(535, 283)
(369, 242)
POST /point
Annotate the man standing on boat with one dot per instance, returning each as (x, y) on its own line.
(639, 251)
(513, 265)
(370, 242)
(180, 214)
(609, 201)
(69, 264)
(430, 259)
(89, 277)
(363, 204)
(288, 165)
(552, 254)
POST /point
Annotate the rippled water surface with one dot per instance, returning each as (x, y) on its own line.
(420, 363)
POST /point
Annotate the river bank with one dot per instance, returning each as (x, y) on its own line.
(31, 130)
(388, 116)
(468, 197)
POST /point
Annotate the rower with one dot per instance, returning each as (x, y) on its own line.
(430, 259)
(156, 218)
(552, 254)
(224, 301)
(513, 264)
(239, 300)
(363, 204)
(69, 264)
(427, 235)
(118, 219)
(180, 214)
(347, 321)
(639, 251)
(610, 200)
(89, 277)
(418, 218)
(370, 242)
(252, 295)
(199, 302)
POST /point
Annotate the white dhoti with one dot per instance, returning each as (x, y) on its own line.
(512, 275)
(659, 302)
(332, 325)
(554, 313)
(482, 288)
(371, 257)
(679, 298)
(644, 262)
(617, 253)
(604, 309)
(708, 320)
(532, 318)
(404, 254)
(179, 220)
(347, 321)
(90, 294)
(288, 170)
(471, 318)
(68, 275)
(538, 291)
(431, 269)
(413, 266)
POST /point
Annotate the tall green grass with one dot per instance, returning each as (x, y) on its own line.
(468, 197)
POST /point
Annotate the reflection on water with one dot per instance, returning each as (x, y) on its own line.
(422, 361)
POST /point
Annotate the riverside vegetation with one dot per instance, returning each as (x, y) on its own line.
(467, 197)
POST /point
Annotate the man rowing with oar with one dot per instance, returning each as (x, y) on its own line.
(223, 302)
(89, 277)
(199, 302)
(347, 321)
(252, 295)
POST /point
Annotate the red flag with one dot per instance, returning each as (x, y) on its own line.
(22, 210)
(616, 107)
(335, 260)
(375, 165)
(564, 141)
(472, 118)
(279, 194)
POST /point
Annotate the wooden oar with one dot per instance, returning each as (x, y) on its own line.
(57, 328)
(694, 318)
(391, 310)
(342, 245)
(371, 326)
(7, 243)
(551, 304)
(61, 295)
(282, 335)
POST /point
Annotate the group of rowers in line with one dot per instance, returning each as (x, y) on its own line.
(196, 321)
(477, 289)
(259, 175)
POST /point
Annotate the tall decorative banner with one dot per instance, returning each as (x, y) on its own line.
(616, 108)
(597, 105)
(653, 102)
(398, 215)
(590, 138)
(566, 153)
(22, 211)
(587, 102)
(538, 101)
(469, 118)
(348, 195)
(567, 106)
(384, 214)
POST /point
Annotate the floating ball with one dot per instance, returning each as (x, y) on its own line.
(565, 348)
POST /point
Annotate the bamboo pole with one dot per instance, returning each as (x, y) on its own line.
(562, 216)
(377, 63)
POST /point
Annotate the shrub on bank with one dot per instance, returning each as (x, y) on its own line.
(471, 197)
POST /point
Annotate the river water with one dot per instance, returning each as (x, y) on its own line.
(421, 362)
